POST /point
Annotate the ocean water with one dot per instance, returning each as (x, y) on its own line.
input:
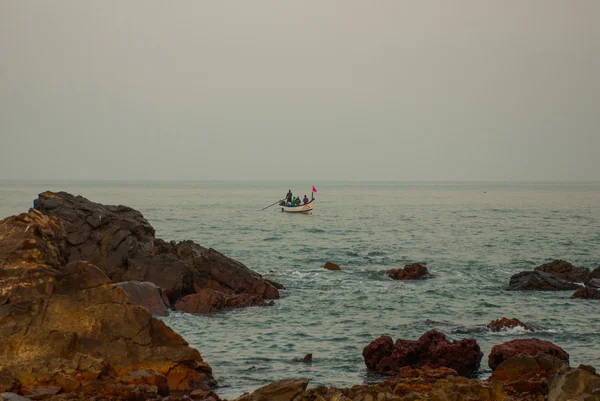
(472, 236)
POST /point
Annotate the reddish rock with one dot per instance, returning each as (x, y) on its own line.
(147, 295)
(566, 271)
(532, 346)
(424, 373)
(307, 358)
(150, 378)
(332, 266)
(587, 293)
(282, 390)
(410, 272)
(506, 324)
(432, 349)
(209, 301)
(200, 394)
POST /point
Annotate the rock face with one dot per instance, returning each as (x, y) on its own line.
(432, 349)
(410, 272)
(63, 324)
(122, 243)
(507, 324)
(566, 271)
(283, 390)
(527, 373)
(538, 281)
(586, 292)
(574, 384)
(147, 295)
(533, 346)
(209, 301)
(332, 266)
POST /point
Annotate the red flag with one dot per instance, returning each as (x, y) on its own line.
(314, 189)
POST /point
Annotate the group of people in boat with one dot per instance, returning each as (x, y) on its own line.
(291, 200)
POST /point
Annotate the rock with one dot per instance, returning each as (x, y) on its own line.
(595, 283)
(332, 266)
(566, 271)
(532, 346)
(587, 293)
(7, 383)
(39, 392)
(527, 373)
(410, 272)
(200, 394)
(283, 390)
(62, 322)
(121, 242)
(574, 384)
(12, 397)
(307, 358)
(209, 301)
(147, 295)
(538, 281)
(507, 324)
(595, 273)
(432, 349)
(149, 378)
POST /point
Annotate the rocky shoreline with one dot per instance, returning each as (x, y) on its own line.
(80, 283)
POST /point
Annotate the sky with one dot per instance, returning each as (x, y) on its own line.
(300, 90)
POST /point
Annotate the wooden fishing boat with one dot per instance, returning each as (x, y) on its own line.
(302, 209)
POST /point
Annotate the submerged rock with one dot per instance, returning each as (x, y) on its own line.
(538, 281)
(147, 295)
(507, 324)
(64, 324)
(531, 346)
(587, 293)
(332, 266)
(566, 271)
(414, 271)
(209, 301)
(432, 349)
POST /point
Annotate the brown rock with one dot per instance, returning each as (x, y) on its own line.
(7, 383)
(307, 358)
(149, 378)
(200, 394)
(39, 392)
(283, 390)
(432, 349)
(595, 273)
(147, 295)
(506, 324)
(595, 283)
(12, 397)
(586, 293)
(565, 271)
(538, 281)
(209, 301)
(574, 384)
(332, 266)
(410, 272)
(69, 321)
(532, 346)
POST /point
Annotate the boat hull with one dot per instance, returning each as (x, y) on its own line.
(302, 209)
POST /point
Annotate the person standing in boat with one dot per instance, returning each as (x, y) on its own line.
(305, 199)
(288, 197)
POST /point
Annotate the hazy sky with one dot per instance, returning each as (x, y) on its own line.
(295, 89)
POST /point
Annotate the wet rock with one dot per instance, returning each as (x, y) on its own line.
(538, 281)
(209, 301)
(595, 273)
(432, 349)
(507, 324)
(121, 242)
(574, 384)
(586, 293)
(527, 373)
(63, 322)
(532, 346)
(594, 283)
(414, 271)
(307, 358)
(283, 390)
(565, 271)
(332, 266)
(147, 295)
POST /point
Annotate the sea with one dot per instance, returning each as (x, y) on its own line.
(471, 236)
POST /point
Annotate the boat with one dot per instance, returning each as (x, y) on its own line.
(302, 209)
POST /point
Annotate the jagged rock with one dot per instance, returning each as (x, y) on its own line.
(147, 295)
(121, 242)
(209, 301)
(332, 266)
(538, 281)
(531, 346)
(283, 390)
(63, 322)
(574, 385)
(409, 272)
(565, 271)
(506, 324)
(307, 358)
(594, 283)
(587, 293)
(432, 349)
(595, 273)
(527, 373)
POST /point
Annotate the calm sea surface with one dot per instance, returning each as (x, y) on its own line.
(473, 237)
